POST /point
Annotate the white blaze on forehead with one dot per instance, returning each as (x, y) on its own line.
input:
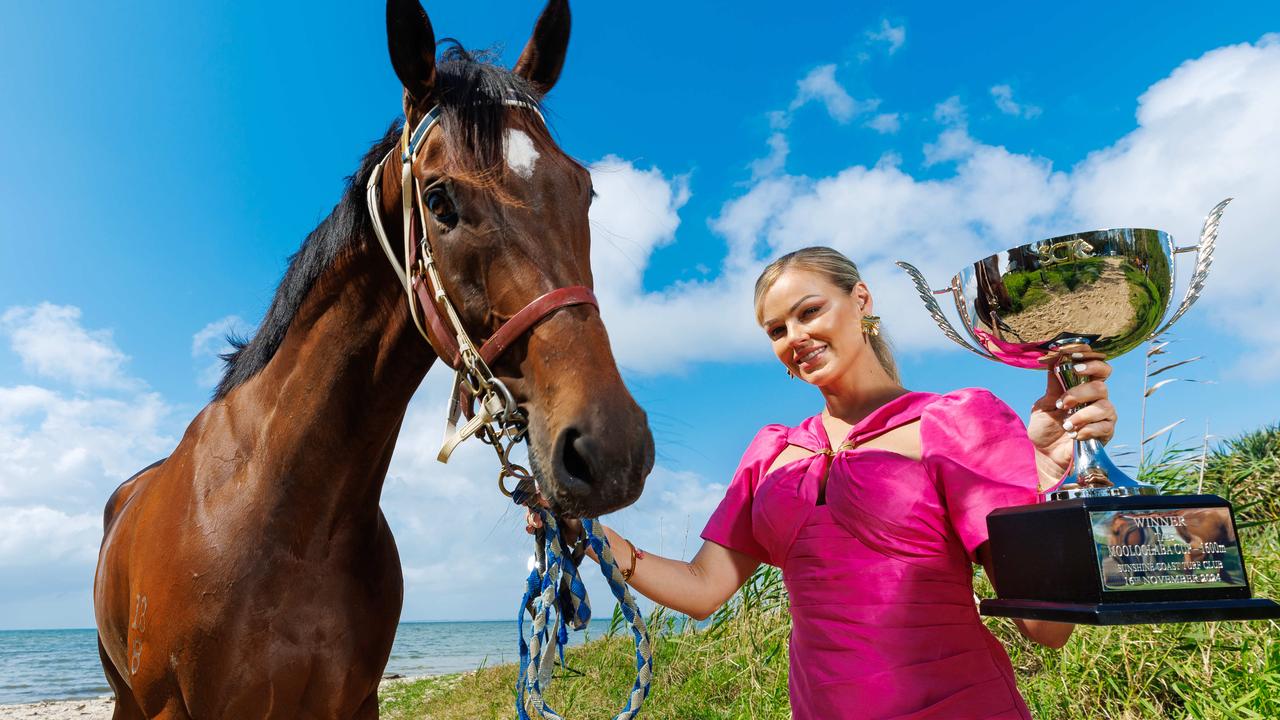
(521, 155)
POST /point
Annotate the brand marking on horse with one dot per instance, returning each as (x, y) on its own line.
(139, 623)
(520, 152)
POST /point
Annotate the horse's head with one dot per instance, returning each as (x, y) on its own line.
(505, 217)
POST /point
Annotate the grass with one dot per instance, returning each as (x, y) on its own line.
(736, 666)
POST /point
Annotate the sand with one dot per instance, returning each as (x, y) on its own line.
(94, 709)
(1102, 308)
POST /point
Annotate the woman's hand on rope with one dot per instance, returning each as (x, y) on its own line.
(571, 528)
(1080, 413)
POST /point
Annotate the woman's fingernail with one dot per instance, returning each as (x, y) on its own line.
(1068, 426)
(1071, 435)
(1077, 356)
(1079, 367)
(1058, 403)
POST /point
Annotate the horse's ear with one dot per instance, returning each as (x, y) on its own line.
(543, 56)
(412, 43)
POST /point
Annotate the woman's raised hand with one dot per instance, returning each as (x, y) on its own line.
(1053, 425)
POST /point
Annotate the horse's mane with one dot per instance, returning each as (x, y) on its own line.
(467, 85)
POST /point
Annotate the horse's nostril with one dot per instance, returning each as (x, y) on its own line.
(574, 463)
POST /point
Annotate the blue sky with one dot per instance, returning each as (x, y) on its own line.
(162, 161)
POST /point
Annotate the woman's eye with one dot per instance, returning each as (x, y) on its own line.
(775, 333)
(441, 207)
(809, 311)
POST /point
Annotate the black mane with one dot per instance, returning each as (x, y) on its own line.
(466, 87)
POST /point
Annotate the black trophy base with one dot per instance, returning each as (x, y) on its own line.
(1138, 613)
(1121, 561)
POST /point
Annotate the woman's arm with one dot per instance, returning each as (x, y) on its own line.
(1053, 428)
(696, 588)
(1050, 634)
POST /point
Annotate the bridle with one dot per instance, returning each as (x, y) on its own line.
(498, 420)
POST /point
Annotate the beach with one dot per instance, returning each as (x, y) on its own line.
(95, 709)
(98, 708)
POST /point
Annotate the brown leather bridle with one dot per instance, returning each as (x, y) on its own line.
(498, 420)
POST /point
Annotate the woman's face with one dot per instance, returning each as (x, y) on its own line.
(814, 326)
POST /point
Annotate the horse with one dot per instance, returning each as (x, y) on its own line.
(252, 574)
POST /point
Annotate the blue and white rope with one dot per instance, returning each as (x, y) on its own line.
(556, 589)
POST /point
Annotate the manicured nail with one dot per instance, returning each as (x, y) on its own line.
(1068, 426)
(1058, 404)
(1077, 356)
(1071, 435)
(1079, 367)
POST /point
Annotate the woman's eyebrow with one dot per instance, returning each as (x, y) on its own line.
(791, 309)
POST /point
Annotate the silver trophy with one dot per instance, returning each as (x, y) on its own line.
(1108, 289)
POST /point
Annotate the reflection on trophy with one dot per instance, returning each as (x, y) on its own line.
(1103, 548)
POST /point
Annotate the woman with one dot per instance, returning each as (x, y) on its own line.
(875, 509)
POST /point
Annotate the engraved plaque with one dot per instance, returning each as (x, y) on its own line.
(1163, 549)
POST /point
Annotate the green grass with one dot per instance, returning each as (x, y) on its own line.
(736, 667)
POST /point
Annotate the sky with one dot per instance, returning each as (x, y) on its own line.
(162, 161)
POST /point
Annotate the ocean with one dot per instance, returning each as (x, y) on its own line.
(63, 664)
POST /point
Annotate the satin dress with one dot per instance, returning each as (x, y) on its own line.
(884, 623)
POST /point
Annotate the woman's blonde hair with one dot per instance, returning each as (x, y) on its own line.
(841, 272)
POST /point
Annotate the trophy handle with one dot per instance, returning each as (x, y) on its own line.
(935, 311)
(1204, 258)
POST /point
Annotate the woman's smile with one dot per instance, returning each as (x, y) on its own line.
(808, 359)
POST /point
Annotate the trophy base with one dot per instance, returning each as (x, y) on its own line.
(1113, 560)
(1138, 613)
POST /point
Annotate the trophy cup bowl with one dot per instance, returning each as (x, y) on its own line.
(1101, 548)
(1107, 289)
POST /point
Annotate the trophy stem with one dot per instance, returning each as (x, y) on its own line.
(1092, 472)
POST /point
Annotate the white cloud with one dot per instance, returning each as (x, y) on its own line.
(775, 160)
(52, 344)
(1205, 132)
(951, 112)
(885, 123)
(820, 85)
(1003, 97)
(209, 344)
(634, 213)
(38, 536)
(891, 35)
(63, 453)
(76, 448)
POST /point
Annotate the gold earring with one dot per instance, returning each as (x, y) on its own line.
(871, 325)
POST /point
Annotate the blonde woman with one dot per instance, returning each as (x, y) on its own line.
(875, 510)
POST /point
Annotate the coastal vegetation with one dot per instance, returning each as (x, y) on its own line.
(735, 667)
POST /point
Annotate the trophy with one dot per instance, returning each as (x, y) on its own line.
(1100, 548)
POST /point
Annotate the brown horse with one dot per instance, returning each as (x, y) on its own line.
(252, 574)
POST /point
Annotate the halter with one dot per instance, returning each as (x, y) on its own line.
(498, 421)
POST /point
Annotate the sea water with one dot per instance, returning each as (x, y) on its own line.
(63, 664)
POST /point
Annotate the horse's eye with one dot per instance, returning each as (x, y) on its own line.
(441, 207)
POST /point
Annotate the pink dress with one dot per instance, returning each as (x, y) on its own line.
(884, 623)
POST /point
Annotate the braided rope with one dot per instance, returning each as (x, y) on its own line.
(556, 597)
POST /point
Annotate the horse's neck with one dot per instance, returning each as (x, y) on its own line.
(319, 422)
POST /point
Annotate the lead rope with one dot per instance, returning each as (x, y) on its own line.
(556, 599)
